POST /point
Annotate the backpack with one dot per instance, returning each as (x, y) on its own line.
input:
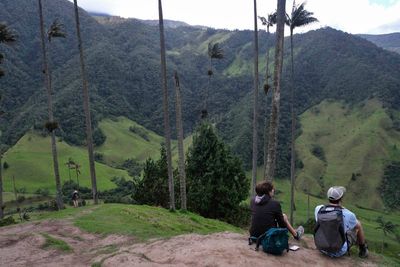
(274, 241)
(329, 232)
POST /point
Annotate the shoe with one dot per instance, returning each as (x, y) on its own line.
(363, 251)
(299, 232)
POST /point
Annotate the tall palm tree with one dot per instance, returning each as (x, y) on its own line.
(7, 36)
(167, 130)
(86, 107)
(179, 130)
(214, 52)
(274, 118)
(255, 105)
(51, 125)
(387, 227)
(269, 21)
(298, 18)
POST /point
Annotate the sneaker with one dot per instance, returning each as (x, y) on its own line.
(363, 251)
(299, 232)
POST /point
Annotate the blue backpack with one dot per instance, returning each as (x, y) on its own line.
(274, 241)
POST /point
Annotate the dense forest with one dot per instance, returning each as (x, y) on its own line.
(124, 78)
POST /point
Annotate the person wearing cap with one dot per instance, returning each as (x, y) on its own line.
(75, 197)
(352, 227)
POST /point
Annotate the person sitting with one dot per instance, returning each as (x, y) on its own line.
(337, 228)
(267, 213)
(75, 197)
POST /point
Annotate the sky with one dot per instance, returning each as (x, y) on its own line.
(352, 16)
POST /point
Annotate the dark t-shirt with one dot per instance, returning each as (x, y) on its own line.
(265, 215)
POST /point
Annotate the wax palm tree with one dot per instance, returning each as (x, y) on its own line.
(274, 121)
(7, 36)
(77, 168)
(214, 52)
(255, 105)
(70, 165)
(51, 125)
(387, 227)
(179, 130)
(298, 18)
(269, 21)
(167, 130)
(86, 107)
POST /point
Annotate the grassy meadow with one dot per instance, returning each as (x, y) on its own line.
(346, 145)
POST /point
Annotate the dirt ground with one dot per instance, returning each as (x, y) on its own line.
(21, 245)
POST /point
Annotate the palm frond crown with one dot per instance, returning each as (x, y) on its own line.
(300, 17)
(7, 35)
(215, 51)
(56, 30)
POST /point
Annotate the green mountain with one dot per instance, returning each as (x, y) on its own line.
(124, 78)
(390, 41)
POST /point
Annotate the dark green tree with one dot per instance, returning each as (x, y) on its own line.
(153, 189)
(216, 181)
(298, 18)
(387, 227)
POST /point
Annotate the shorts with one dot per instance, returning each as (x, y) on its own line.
(351, 236)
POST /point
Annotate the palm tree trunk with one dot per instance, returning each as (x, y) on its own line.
(266, 84)
(255, 111)
(60, 204)
(274, 121)
(86, 108)
(1, 185)
(167, 130)
(292, 151)
(179, 129)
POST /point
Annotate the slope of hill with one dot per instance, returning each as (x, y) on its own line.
(30, 159)
(30, 162)
(347, 145)
(389, 41)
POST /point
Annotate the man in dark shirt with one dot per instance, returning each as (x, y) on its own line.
(267, 213)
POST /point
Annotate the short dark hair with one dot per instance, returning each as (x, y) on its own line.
(332, 201)
(264, 188)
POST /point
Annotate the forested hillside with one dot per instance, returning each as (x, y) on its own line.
(124, 75)
(390, 41)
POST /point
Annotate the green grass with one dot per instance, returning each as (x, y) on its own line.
(122, 144)
(31, 164)
(54, 243)
(142, 221)
(357, 140)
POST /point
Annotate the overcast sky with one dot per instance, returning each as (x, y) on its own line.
(353, 16)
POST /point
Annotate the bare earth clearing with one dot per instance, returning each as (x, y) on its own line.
(21, 245)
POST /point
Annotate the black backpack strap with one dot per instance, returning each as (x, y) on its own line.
(258, 242)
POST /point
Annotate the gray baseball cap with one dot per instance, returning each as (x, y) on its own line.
(336, 192)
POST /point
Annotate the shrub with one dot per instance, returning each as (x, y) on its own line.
(216, 181)
(7, 221)
(139, 131)
(44, 192)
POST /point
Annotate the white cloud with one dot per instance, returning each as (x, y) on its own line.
(353, 16)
